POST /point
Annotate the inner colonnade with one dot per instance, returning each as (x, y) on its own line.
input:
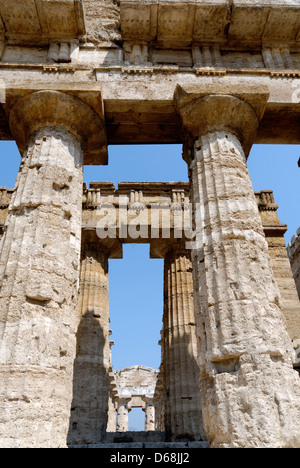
(170, 396)
(216, 77)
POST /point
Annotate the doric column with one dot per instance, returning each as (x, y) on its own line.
(39, 269)
(179, 345)
(122, 414)
(92, 365)
(250, 392)
(149, 413)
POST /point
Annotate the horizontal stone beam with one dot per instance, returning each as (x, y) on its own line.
(141, 110)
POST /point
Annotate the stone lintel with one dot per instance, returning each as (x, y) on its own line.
(101, 190)
(77, 108)
(216, 107)
(131, 117)
(152, 187)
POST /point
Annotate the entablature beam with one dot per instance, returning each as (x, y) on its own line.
(140, 109)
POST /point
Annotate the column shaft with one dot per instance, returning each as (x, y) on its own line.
(149, 416)
(246, 354)
(38, 294)
(92, 364)
(181, 373)
(122, 416)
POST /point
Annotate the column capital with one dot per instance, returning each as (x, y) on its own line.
(161, 248)
(113, 248)
(233, 108)
(29, 112)
(148, 399)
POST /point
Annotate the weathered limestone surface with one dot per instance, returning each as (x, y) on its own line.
(147, 48)
(150, 206)
(135, 388)
(181, 392)
(91, 408)
(283, 274)
(245, 352)
(5, 197)
(178, 23)
(39, 273)
(91, 386)
(68, 66)
(39, 21)
(294, 255)
(103, 21)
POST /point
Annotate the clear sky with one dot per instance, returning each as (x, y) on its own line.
(136, 283)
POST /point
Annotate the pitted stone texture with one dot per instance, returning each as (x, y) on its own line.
(89, 412)
(39, 284)
(136, 382)
(102, 21)
(183, 416)
(294, 255)
(34, 22)
(246, 353)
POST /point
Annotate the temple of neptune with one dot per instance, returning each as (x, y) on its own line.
(217, 77)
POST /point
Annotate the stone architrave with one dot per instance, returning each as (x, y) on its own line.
(39, 269)
(250, 392)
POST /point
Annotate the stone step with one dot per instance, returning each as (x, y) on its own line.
(145, 445)
(136, 436)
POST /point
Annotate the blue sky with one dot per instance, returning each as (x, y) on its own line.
(136, 283)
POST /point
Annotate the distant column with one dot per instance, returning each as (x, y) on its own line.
(149, 414)
(89, 414)
(181, 388)
(122, 415)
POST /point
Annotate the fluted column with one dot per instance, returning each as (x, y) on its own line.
(149, 413)
(89, 414)
(39, 271)
(181, 373)
(122, 414)
(250, 393)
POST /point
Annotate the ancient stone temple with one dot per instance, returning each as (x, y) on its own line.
(217, 77)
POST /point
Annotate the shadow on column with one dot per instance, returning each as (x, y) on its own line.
(182, 399)
(89, 411)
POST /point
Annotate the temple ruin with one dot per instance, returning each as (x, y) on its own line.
(216, 76)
